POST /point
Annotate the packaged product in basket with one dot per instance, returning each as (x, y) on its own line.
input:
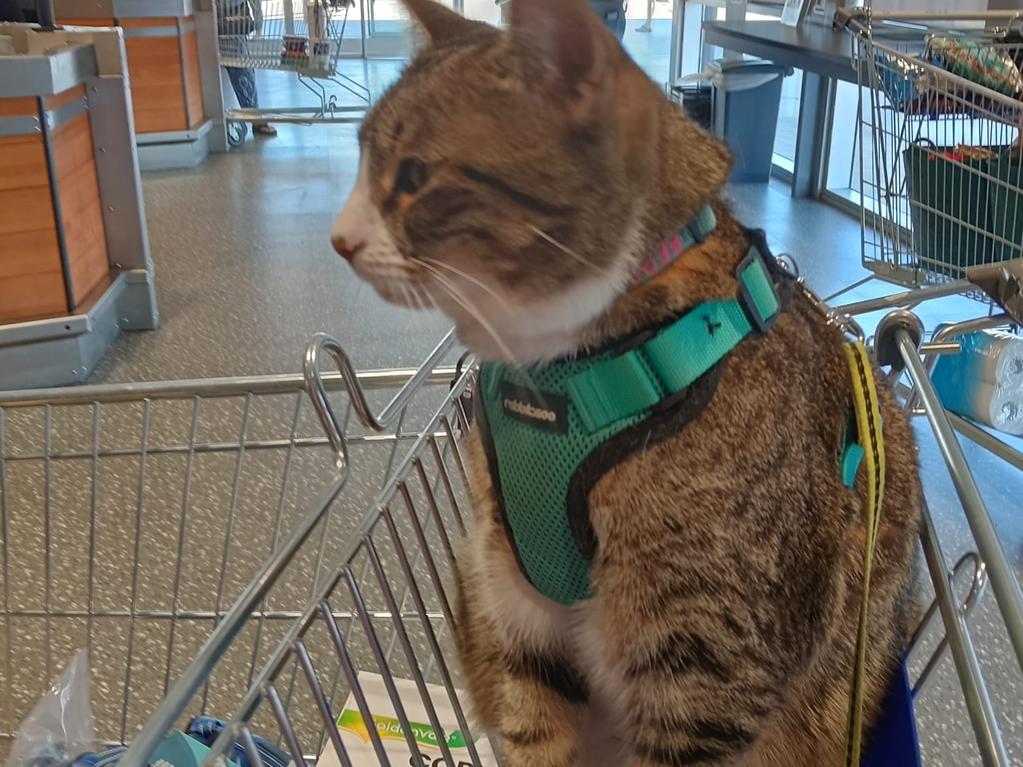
(985, 65)
(393, 739)
(984, 381)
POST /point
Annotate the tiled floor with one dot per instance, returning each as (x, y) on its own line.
(245, 276)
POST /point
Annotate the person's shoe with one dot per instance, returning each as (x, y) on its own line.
(263, 129)
(644, 27)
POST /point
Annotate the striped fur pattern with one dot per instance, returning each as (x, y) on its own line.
(516, 180)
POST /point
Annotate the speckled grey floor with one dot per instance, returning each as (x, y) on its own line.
(245, 276)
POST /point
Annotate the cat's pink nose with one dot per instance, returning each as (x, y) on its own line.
(348, 249)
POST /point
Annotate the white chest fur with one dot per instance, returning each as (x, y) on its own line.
(525, 618)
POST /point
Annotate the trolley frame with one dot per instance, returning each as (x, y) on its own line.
(386, 600)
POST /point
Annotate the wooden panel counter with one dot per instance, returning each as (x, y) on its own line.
(161, 40)
(71, 226)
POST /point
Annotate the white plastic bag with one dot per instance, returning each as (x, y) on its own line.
(732, 76)
(60, 726)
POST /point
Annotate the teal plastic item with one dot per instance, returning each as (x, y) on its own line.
(543, 422)
(180, 750)
(852, 458)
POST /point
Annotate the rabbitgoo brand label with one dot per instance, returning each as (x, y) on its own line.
(540, 409)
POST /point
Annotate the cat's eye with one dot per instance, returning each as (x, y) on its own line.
(412, 176)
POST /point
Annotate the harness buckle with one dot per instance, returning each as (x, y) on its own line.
(756, 317)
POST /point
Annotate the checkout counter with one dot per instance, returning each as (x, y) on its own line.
(74, 253)
(171, 49)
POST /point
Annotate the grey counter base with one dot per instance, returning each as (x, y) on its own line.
(64, 350)
(176, 149)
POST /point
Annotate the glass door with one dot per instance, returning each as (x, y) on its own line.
(648, 34)
(381, 29)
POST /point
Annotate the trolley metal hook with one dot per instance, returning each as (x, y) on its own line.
(976, 593)
(316, 386)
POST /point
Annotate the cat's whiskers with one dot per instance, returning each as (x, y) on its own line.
(418, 297)
(428, 303)
(571, 253)
(405, 299)
(359, 290)
(478, 316)
(430, 264)
(410, 296)
(474, 312)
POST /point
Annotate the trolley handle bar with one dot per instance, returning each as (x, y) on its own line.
(323, 345)
(207, 388)
(844, 16)
(905, 300)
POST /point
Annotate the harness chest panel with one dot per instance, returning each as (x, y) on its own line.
(539, 441)
(541, 424)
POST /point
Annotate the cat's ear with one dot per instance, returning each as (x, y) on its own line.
(437, 22)
(564, 40)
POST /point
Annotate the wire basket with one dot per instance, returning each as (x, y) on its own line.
(940, 155)
(303, 36)
(135, 516)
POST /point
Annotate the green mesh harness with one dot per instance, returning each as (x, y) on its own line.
(542, 426)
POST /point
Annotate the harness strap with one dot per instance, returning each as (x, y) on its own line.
(867, 412)
(642, 378)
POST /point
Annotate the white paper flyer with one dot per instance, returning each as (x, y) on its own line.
(356, 736)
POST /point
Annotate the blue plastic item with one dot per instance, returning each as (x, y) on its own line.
(206, 730)
(177, 750)
(894, 741)
(898, 79)
(104, 759)
(612, 13)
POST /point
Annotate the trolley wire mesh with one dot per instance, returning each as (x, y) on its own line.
(129, 527)
(940, 154)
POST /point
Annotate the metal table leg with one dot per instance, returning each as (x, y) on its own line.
(811, 130)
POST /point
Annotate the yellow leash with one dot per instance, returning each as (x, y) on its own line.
(868, 424)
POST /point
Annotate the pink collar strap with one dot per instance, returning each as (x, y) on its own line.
(668, 251)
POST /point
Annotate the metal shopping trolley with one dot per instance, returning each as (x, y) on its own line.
(940, 126)
(940, 152)
(265, 550)
(303, 37)
(140, 520)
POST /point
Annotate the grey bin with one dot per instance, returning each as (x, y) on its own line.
(746, 118)
(612, 13)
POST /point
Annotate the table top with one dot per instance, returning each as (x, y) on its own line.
(811, 47)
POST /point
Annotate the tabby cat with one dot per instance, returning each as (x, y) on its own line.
(516, 179)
